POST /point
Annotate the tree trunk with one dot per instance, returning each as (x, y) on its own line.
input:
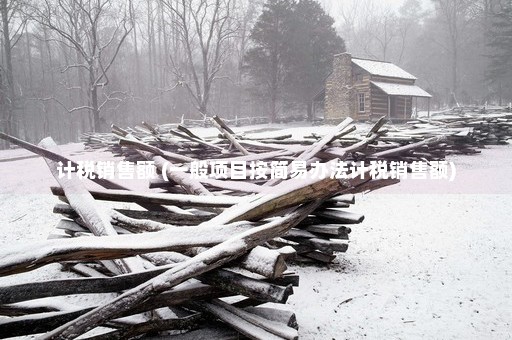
(309, 106)
(9, 77)
(454, 69)
(140, 84)
(95, 109)
(273, 104)
(29, 60)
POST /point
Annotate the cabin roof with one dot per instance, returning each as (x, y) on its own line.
(401, 89)
(382, 68)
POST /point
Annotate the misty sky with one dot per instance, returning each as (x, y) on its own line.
(334, 5)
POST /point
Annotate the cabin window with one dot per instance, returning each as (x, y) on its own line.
(360, 100)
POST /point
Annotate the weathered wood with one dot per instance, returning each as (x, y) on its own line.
(269, 263)
(20, 258)
(36, 290)
(155, 325)
(328, 245)
(95, 218)
(229, 134)
(333, 230)
(190, 185)
(242, 285)
(19, 310)
(206, 261)
(165, 199)
(347, 198)
(157, 216)
(40, 323)
(260, 260)
(133, 143)
(188, 135)
(278, 315)
(57, 157)
(312, 150)
(210, 331)
(249, 324)
(395, 151)
(340, 216)
(286, 194)
(319, 256)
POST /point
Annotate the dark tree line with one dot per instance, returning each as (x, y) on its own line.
(499, 71)
(291, 54)
(456, 48)
(70, 66)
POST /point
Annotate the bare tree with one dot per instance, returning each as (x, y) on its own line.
(384, 32)
(453, 14)
(13, 24)
(204, 28)
(349, 20)
(96, 30)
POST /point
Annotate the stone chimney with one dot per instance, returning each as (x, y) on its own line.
(339, 93)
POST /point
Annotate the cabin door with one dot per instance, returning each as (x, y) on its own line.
(392, 106)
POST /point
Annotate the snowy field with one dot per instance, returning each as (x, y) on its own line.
(431, 260)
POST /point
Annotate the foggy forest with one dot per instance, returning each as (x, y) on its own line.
(71, 66)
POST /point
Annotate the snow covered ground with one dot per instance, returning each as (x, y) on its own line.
(431, 260)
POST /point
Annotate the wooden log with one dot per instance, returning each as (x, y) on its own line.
(260, 260)
(21, 258)
(312, 150)
(155, 325)
(208, 332)
(285, 317)
(242, 285)
(26, 325)
(332, 230)
(94, 217)
(190, 185)
(340, 216)
(376, 127)
(287, 194)
(19, 310)
(133, 143)
(319, 256)
(84, 270)
(267, 262)
(395, 151)
(160, 183)
(251, 325)
(228, 133)
(347, 198)
(32, 324)
(36, 290)
(56, 157)
(328, 246)
(206, 261)
(194, 138)
(157, 216)
(286, 279)
(165, 199)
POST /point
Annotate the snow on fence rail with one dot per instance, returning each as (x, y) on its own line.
(174, 260)
(237, 121)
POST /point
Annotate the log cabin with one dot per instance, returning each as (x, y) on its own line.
(365, 89)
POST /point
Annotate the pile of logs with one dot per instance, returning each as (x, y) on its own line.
(485, 129)
(200, 258)
(379, 142)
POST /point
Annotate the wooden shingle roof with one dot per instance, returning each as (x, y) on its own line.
(382, 68)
